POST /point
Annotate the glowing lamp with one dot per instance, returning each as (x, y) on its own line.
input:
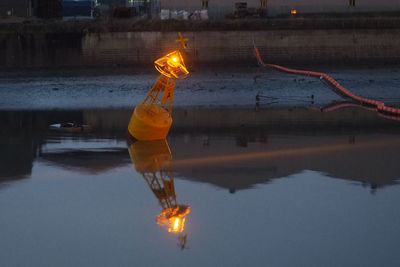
(293, 12)
(172, 65)
(173, 219)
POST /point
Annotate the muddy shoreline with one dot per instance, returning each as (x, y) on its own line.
(207, 88)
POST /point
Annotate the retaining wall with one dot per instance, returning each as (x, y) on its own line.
(205, 47)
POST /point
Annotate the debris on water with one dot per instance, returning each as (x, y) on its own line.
(200, 87)
(70, 127)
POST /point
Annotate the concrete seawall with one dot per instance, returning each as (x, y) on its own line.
(205, 47)
(300, 46)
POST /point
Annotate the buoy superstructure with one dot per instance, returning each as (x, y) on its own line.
(152, 118)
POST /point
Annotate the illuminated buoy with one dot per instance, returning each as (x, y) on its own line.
(152, 118)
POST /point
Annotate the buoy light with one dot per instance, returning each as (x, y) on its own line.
(172, 65)
(152, 118)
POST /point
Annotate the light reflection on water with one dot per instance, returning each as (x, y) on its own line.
(257, 196)
(153, 160)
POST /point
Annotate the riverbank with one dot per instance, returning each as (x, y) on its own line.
(212, 87)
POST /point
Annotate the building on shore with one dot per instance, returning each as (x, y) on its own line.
(220, 8)
(150, 7)
(16, 8)
(112, 2)
(46, 9)
(217, 9)
(327, 6)
(78, 9)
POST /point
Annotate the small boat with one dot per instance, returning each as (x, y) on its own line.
(70, 127)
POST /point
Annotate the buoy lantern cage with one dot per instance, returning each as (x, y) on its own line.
(172, 65)
(152, 118)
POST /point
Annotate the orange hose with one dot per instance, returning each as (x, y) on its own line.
(378, 105)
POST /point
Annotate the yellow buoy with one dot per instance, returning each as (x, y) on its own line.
(152, 118)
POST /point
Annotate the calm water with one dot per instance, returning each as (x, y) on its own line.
(272, 187)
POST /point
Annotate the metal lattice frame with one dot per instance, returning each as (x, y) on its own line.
(162, 94)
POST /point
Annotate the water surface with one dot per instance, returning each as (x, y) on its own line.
(295, 188)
